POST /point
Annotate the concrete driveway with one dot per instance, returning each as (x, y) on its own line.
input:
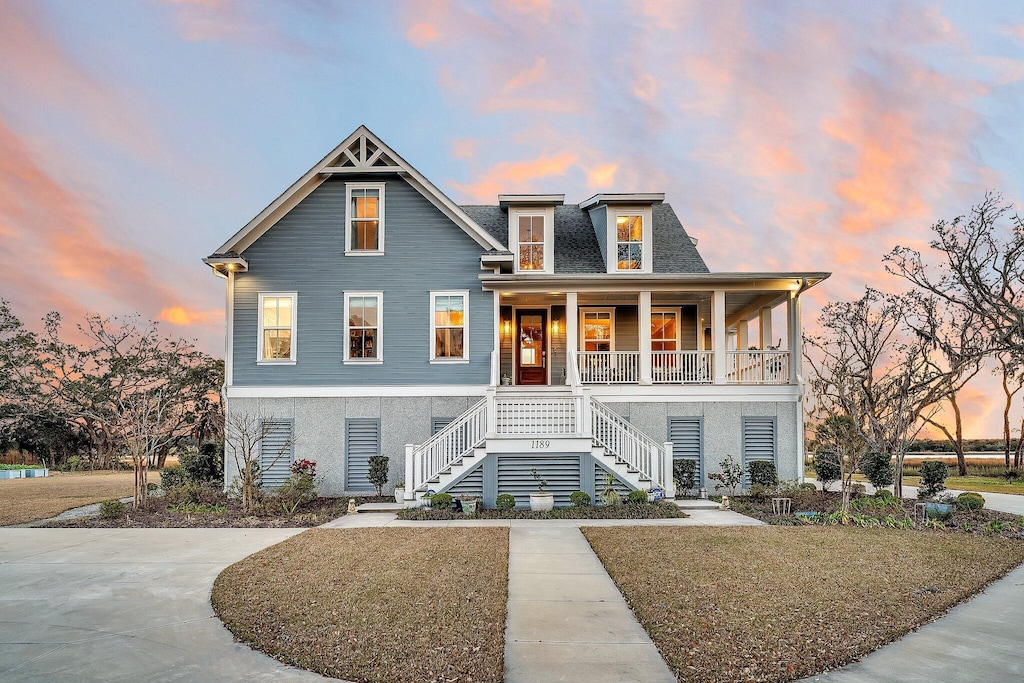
(124, 605)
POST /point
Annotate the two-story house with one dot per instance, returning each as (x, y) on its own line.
(368, 313)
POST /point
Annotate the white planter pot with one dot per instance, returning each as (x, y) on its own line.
(542, 502)
(400, 496)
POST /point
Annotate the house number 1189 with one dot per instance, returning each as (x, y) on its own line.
(540, 444)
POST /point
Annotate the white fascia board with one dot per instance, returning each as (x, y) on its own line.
(506, 200)
(623, 198)
(356, 391)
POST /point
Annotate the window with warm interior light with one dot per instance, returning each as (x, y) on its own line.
(364, 225)
(664, 330)
(598, 330)
(277, 328)
(531, 242)
(449, 325)
(363, 315)
(629, 230)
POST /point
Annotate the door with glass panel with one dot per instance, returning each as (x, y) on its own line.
(531, 347)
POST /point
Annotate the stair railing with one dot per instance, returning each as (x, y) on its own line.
(452, 443)
(627, 443)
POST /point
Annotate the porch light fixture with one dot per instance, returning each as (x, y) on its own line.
(506, 327)
(554, 326)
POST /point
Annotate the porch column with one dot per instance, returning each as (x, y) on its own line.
(743, 335)
(766, 328)
(644, 304)
(718, 334)
(795, 337)
(496, 354)
(572, 319)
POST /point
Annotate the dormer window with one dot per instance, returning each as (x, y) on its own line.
(531, 242)
(364, 221)
(629, 229)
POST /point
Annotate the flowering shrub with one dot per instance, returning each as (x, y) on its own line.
(304, 467)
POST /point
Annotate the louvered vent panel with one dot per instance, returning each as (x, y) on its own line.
(277, 449)
(362, 439)
(562, 473)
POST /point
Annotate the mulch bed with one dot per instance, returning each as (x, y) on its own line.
(779, 604)
(157, 514)
(375, 604)
(624, 511)
(970, 522)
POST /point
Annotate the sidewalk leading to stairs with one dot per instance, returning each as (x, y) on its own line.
(566, 619)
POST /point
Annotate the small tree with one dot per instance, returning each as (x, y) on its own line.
(378, 474)
(878, 469)
(684, 472)
(839, 434)
(730, 477)
(245, 437)
(826, 467)
(933, 478)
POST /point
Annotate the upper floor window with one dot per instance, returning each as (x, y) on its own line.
(531, 242)
(449, 325)
(629, 229)
(364, 224)
(363, 315)
(276, 328)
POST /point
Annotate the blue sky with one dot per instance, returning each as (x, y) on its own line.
(135, 137)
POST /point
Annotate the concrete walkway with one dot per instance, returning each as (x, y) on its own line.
(979, 640)
(566, 619)
(696, 518)
(113, 605)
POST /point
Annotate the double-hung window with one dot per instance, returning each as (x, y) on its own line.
(449, 326)
(276, 327)
(664, 330)
(364, 223)
(629, 230)
(598, 327)
(531, 242)
(364, 315)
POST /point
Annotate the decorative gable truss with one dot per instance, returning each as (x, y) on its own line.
(364, 156)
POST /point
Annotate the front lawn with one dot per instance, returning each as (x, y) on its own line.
(773, 603)
(26, 500)
(375, 604)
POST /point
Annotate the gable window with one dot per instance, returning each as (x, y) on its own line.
(364, 223)
(449, 322)
(363, 315)
(276, 328)
(598, 330)
(531, 242)
(629, 230)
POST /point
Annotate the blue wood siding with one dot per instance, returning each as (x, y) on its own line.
(305, 253)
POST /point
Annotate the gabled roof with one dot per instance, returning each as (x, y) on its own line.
(576, 246)
(360, 153)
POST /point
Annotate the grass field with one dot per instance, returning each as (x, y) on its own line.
(375, 604)
(26, 500)
(778, 604)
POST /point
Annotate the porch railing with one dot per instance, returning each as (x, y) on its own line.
(609, 367)
(682, 367)
(757, 367)
(538, 414)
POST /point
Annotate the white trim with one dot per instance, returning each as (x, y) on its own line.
(380, 187)
(315, 176)
(292, 351)
(618, 198)
(356, 391)
(229, 324)
(582, 341)
(379, 337)
(464, 358)
(647, 252)
(548, 214)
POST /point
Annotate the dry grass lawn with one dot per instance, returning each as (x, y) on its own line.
(375, 604)
(26, 500)
(778, 604)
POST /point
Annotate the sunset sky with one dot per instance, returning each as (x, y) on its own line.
(135, 137)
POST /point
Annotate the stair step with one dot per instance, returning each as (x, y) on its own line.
(379, 507)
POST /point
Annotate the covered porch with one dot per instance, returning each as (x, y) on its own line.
(644, 330)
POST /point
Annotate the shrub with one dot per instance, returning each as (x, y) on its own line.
(442, 501)
(378, 474)
(636, 496)
(878, 469)
(109, 509)
(684, 471)
(172, 477)
(76, 463)
(205, 465)
(884, 494)
(297, 490)
(1008, 475)
(506, 501)
(192, 492)
(759, 492)
(763, 472)
(609, 496)
(730, 476)
(858, 490)
(933, 478)
(806, 486)
(826, 466)
(578, 499)
(150, 487)
(970, 501)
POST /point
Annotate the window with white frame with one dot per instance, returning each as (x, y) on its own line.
(598, 327)
(276, 327)
(363, 316)
(364, 224)
(664, 329)
(531, 242)
(629, 230)
(449, 325)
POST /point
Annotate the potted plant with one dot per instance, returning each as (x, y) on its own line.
(400, 492)
(469, 502)
(541, 500)
(426, 498)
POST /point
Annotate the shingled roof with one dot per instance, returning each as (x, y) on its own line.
(576, 246)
